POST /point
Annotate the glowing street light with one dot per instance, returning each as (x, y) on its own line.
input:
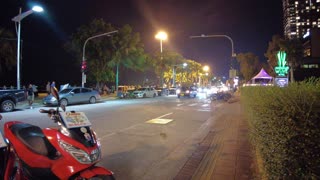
(18, 20)
(162, 36)
(206, 68)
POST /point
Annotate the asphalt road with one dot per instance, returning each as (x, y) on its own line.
(147, 138)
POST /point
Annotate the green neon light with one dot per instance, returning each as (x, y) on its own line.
(281, 69)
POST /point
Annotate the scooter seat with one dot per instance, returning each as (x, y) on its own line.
(33, 138)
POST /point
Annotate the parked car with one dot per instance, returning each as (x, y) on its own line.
(172, 90)
(162, 91)
(186, 92)
(73, 95)
(10, 98)
(145, 92)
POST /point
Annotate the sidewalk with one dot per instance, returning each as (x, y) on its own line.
(225, 153)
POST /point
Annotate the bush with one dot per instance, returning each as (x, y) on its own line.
(285, 128)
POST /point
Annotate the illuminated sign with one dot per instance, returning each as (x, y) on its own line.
(282, 68)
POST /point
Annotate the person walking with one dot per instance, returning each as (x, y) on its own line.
(48, 88)
(30, 94)
(53, 84)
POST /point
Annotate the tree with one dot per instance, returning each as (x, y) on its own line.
(104, 54)
(7, 50)
(249, 65)
(129, 51)
(163, 64)
(293, 48)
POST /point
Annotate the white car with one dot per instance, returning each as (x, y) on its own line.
(145, 92)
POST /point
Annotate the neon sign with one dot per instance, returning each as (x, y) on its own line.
(282, 68)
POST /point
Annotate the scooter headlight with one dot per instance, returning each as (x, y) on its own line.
(81, 155)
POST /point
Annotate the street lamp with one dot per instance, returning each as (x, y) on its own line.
(174, 73)
(84, 51)
(224, 36)
(18, 20)
(205, 69)
(161, 35)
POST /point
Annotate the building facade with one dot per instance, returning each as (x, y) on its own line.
(299, 17)
(301, 20)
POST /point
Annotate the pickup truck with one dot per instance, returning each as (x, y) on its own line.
(10, 98)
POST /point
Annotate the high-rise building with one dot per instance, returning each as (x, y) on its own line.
(299, 17)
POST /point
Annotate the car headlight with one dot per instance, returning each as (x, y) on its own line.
(187, 91)
(81, 155)
(178, 91)
(52, 99)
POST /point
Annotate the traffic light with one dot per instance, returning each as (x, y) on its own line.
(84, 66)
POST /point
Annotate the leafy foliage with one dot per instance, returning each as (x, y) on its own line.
(285, 128)
(7, 50)
(106, 54)
(293, 48)
(249, 65)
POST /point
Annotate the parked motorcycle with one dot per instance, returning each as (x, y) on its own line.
(220, 96)
(69, 151)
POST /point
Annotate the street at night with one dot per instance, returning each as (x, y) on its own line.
(141, 138)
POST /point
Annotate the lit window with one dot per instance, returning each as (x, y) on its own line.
(296, 2)
(298, 17)
(318, 0)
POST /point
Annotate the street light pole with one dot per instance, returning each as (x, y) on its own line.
(18, 52)
(18, 20)
(174, 73)
(161, 36)
(84, 51)
(225, 36)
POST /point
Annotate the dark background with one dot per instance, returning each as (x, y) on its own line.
(250, 23)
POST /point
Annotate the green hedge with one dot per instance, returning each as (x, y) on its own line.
(285, 128)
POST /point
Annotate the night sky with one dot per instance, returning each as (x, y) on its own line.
(250, 23)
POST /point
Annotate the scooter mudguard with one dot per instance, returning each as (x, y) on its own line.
(95, 171)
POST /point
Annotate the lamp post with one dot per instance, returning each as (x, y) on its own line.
(84, 51)
(174, 73)
(161, 35)
(205, 69)
(18, 20)
(223, 36)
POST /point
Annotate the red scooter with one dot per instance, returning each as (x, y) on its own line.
(67, 152)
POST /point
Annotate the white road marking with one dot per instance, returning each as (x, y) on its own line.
(164, 115)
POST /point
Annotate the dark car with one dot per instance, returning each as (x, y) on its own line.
(186, 92)
(10, 98)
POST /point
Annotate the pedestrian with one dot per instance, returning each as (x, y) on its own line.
(48, 88)
(53, 84)
(30, 95)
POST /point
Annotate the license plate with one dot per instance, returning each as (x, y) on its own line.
(181, 94)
